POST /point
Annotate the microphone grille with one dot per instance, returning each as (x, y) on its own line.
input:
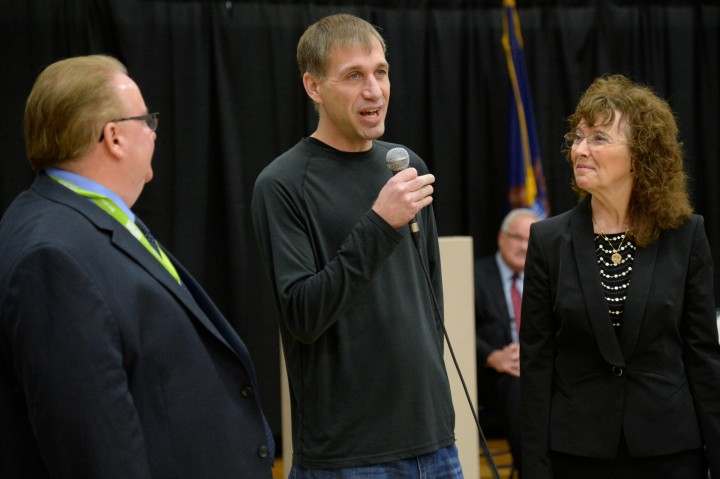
(397, 159)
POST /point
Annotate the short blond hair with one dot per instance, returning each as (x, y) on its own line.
(325, 35)
(68, 106)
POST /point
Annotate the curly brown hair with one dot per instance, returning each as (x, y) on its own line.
(659, 200)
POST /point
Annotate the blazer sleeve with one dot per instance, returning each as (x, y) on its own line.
(67, 354)
(537, 336)
(701, 346)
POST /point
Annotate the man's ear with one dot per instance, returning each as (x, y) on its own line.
(112, 139)
(312, 87)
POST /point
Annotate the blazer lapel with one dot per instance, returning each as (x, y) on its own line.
(209, 315)
(586, 260)
(122, 239)
(637, 295)
(125, 241)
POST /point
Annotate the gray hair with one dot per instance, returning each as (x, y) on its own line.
(514, 214)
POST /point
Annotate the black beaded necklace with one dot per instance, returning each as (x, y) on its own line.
(615, 266)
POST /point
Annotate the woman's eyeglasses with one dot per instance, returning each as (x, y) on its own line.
(595, 142)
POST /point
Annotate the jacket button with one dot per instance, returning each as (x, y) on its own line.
(246, 392)
(263, 452)
(617, 371)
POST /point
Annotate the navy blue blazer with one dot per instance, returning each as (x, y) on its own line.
(108, 367)
(657, 382)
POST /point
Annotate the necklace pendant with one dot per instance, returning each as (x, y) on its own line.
(616, 258)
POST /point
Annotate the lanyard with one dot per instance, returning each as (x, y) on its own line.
(107, 205)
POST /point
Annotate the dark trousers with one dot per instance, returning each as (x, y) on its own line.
(682, 465)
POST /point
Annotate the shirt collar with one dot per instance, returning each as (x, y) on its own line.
(90, 185)
(505, 270)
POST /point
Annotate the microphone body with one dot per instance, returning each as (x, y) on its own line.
(398, 159)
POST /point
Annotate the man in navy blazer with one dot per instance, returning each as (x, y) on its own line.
(114, 363)
(498, 351)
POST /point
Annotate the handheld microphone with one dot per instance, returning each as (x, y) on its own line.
(397, 159)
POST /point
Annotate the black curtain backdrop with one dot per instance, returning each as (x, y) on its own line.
(224, 77)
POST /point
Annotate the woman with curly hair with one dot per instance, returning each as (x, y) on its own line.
(619, 343)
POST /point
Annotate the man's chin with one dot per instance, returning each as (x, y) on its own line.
(375, 133)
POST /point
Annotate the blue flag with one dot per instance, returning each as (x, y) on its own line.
(526, 182)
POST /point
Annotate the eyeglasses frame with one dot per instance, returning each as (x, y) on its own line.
(573, 140)
(516, 237)
(151, 120)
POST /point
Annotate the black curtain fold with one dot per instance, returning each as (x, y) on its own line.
(224, 78)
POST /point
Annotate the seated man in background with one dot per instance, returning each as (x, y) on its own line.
(498, 291)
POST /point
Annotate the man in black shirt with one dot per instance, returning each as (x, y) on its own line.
(363, 345)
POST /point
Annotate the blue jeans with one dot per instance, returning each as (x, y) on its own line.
(441, 464)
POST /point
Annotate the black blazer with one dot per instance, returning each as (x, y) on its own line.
(108, 367)
(658, 383)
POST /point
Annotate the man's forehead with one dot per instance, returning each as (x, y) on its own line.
(356, 57)
(123, 82)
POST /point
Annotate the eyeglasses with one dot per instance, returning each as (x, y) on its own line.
(151, 120)
(516, 237)
(595, 142)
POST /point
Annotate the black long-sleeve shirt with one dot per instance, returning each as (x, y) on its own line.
(363, 347)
